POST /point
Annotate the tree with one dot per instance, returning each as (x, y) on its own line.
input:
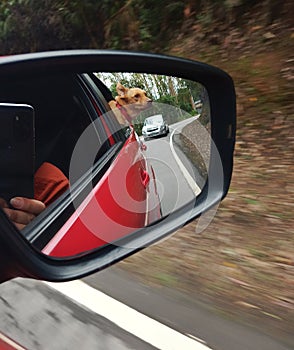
(26, 26)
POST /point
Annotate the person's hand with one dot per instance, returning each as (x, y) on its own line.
(24, 210)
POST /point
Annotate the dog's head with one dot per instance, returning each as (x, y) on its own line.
(135, 98)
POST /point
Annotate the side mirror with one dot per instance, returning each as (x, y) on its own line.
(122, 194)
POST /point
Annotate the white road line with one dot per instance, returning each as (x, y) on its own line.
(132, 321)
(195, 188)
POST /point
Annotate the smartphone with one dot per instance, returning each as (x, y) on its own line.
(17, 150)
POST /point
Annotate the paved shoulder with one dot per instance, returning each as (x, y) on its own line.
(189, 317)
(38, 317)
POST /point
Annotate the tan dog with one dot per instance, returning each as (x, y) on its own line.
(129, 103)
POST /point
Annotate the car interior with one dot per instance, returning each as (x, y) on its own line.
(59, 116)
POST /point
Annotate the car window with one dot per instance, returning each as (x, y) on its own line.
(61, 115)
(104, 95)
(154, 119)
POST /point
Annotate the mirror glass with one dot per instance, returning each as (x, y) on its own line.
(107, 154)
(170, 129)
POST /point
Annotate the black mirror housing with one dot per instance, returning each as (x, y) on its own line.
(21, 258)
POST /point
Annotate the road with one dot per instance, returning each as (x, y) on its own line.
(178, 181)
(38, 317)
(173, 188)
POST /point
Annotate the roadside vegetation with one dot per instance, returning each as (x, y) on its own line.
(243, 263)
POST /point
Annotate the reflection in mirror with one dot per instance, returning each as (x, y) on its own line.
(114, 152)
(175, 129)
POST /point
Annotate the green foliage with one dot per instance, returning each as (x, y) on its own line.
(26, 26)
(168, 99)
(138, 127)
(34, 25)
(156, 18)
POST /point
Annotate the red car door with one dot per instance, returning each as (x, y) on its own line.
(119, 202)
(8, 344)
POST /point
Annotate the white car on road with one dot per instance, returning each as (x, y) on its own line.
(154, 126)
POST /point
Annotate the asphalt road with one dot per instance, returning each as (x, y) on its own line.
(40, 318)
(173, 189)
(177, 179)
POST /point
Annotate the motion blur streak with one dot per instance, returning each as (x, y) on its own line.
(132, 321)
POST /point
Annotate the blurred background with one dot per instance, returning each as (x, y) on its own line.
(243, 262)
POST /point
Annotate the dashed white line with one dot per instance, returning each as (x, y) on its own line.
(132, 321)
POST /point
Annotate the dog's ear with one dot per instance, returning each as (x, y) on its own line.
(121, 90)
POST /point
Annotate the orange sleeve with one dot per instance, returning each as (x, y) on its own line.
(50, 183)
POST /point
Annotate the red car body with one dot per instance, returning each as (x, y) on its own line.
(120, 203)
(9, 344)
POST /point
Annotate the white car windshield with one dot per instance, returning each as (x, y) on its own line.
(154, 119)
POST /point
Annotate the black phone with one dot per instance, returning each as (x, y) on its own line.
(17, 150)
